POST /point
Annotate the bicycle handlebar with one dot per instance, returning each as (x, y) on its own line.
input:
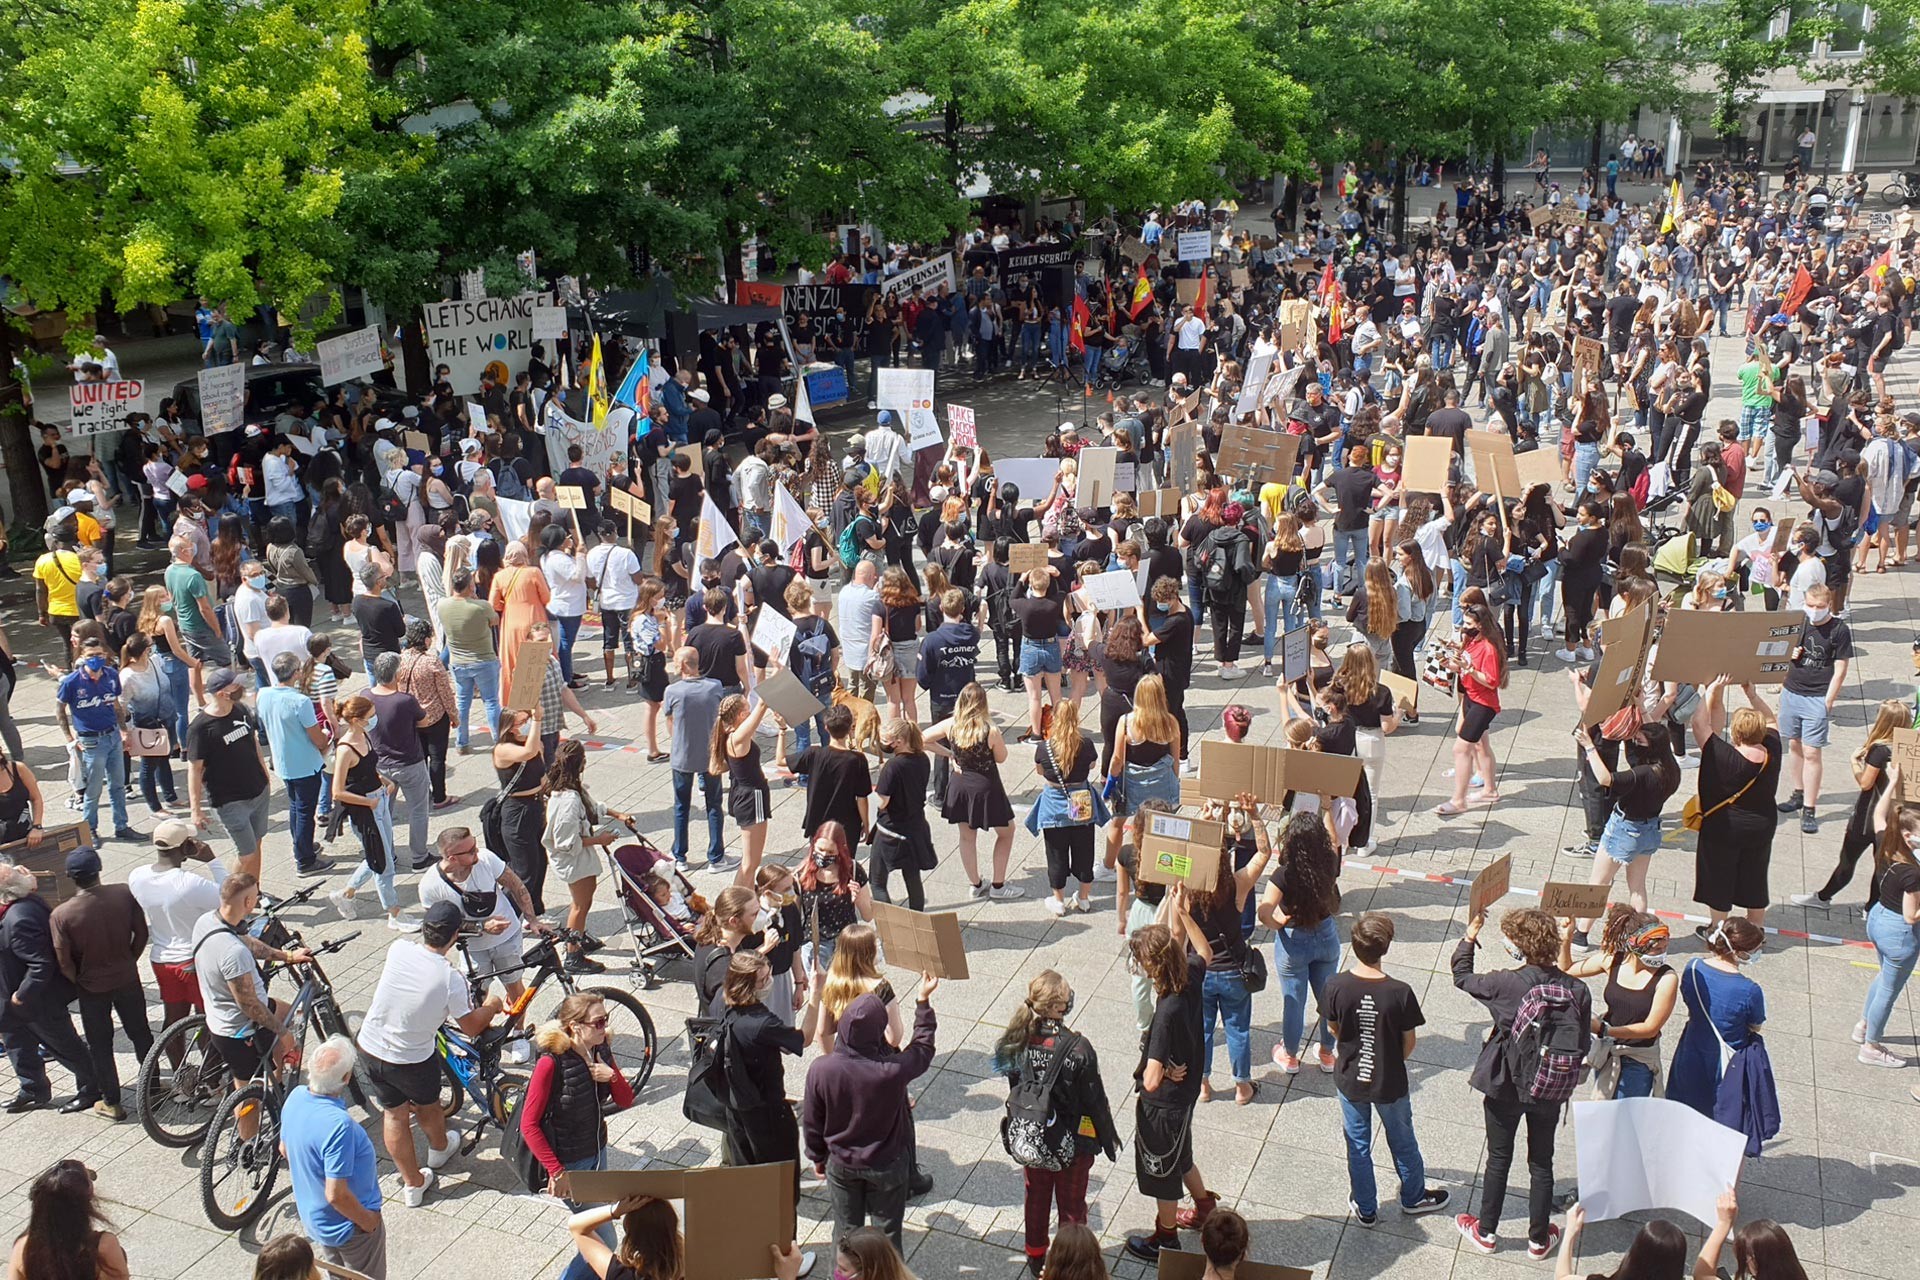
(335, 944)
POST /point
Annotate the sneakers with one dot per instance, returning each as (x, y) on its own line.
(403, 924)
(1872, 1055)
(1232, 673)
(1104, 874)
(1585, 653)
(1539, 1250)
(1147, 1247)
(1565, 655)
(417, 1196)
(1195, 1215)
(1688, 762)
(1585, 849)
(727, 864)
(1326, 1061)
(318, 867)
(343, 903)
(1006, 892)
(1859, 1035)
(1809, 900)
(806, 1262)
(577, 962)
(1434, 1198)
(1056, 906)
(1364, 1219)
(516, 1053)
(1469, 1227)
(1808, 825)
(437, 1157)
(1285, 1061)
(1082, 905)
(1190, 769)
(979, 889)
(1793, 802)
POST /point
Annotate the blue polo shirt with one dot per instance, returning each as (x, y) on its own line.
(323, 1142)
(90, 700)
(285, 714)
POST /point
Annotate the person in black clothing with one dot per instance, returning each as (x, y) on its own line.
(948, 655)
(1124, 660)
(684, 494)
(34, 995)
(1170, 635)
(997, 589)
(1582, 567)
(760, 1126)
(1227, 589)
(902, 837)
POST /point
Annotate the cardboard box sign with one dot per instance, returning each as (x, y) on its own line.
(1537, 466)
(1097, 466)
(628, 505)
(1176, 850)
(1025, 557)
(1175, 1264)
(787, 695)
(529, 669)
(1263, 455)
(1229, 768)
(48, 859)
(1587, 356)
(923, 941)
(1625, 642)
(1906, 754)
(570, 496)
(732, 1218)
(1748, 648)
(1405, 692)
(1564, 899)
(1490, 885)
(1159, 502)
(1493, 464)
(417, 440)
(1424, 462)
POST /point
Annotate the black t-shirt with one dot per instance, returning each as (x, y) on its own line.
(1353, 487)
(836, 780)
(1821, 647)
(1164, 562)
(1374, 1015)
(382, 625)
(684, 493)
(770, 582)
(1123, 678)
(228, 749)
(1040, 617)
(1638, 792)
(1452, 422)
(1369, 714)
(1860, 824)
(1174, 652)
(1336, 737)
(1174, 1040)
(1901, 879)
(718, 646)
(581, 479)
(903, 781)
(1077, 769)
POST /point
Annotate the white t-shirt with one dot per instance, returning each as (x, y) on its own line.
(173, 898)
(1192, 333)
(419, 989)
(1808, 573)
(270, 642)
(613, 566)
(566, 584)
(469, 895)
(356, 554)
(249, 606)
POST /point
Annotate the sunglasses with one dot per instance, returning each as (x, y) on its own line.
(598, 1024)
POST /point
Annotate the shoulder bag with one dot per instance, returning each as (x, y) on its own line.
(1691, 816)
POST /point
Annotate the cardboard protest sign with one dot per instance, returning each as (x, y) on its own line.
(1178, 1265)
(961, 427)
(695, 455)
(1115, 589)
(1253, 384)
(1176, 850)
(223, 398)
(732, 1217)
(1748, 648)
(94, 407)
(1031, 477)
(351, 355)
(1406, 692)
(1195, 246)
(1537, 466)
(1540, 217)
(1565, 899)
(624, 503)
(923, 430)
(1096, 476)
(1296, 654)
(1186, 291)
(48, 859)
(786, 694)
(1906, 754)
(923, 941)
(1625, 642)
(1126, 475)
(529, 670)
(1493, 464)
(1587, 357)
(1296, 324)
(1259, 454)
(1424, 463)
(772, 632)
(1229, 768)
(1183, 454)
(1490, 885)
(1158, 502)
(413, 440)
(477, 423)
(570, 496)
(1242, 277)
(1025, 557)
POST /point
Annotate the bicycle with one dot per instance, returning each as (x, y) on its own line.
(183, 1079)
(630, 1036)
(470, 1065)
(255, 1159)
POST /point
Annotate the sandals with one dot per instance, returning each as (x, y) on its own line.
(1447, 809)
(1482, 799)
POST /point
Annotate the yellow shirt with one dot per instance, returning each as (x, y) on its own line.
(89, 529)
(59, 571)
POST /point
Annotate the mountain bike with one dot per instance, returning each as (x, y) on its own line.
(238, 1169)
(183, 1078)
(630, 1035)
(470, 1067)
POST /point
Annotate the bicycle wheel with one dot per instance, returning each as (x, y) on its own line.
(630, 1034)
(1895, 194)
(237, 1174)
(182, 1082)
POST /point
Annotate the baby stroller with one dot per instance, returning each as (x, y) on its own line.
(657, 937)
(1659, 531)
(1114, 366)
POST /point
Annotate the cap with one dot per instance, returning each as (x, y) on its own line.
(254, 429)
(175, 834)
(196, 483)
(411, 412)
(469, 446)
(1825, 478)
(703, 397)
(78, 495)
(220, 678)
(384, 424)
(84, 863)
(442, 922)
(776, 401)
(61, 513)
(1779, 317)
(886, 417)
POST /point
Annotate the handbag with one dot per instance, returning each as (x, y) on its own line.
(146, 744)
(704, 1100)
(1691, 816)
(526, 1166)
(1253, 968)
(1624, 723)
(881, 667)
(1497, 592)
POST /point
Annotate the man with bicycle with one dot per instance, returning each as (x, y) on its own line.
(246, 1026)
(489, 894)
(419, 990)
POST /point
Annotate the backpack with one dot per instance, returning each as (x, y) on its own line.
(848, 545)
(1037, 1134)
(809, 658)
(389, 507)
(1546, 1045)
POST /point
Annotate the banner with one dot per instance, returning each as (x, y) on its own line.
(600, 447)
(98, 407)
(1034, 260)
(351, 355)
(904, 390)
(478, 335)
(927, 277)
(822, 301)
(223, 398)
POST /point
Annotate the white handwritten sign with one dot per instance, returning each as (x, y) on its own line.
(103, 406)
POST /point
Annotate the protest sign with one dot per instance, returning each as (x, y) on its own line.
(1258, 455)
(1296, 654)
(477, 424)
(1031, 477)
(94, 407)
(1571, 900)
(1494, 470)
(634, 509)
(1424, 462)
(1296, 325)
(1096, 476)
(772, 632)
(1115, 589)
(1587, 355)
(1490, 885)
(1177, 1265)
(1228, 769)
(1034, 261)
(351, 355)
(1652, 1153)
(923, 430)
(529, 669)
(1183, 454)
(1125, 476)
(1159, 502)
(904, 390)
(1748, 648)
(787, 695)
(1625, 642)
(570, 496)
(923, 941)
(48, 859)
(223, 398)
(1025, 557)
(960, 427)
(1195, 246)
(1176, 850)
(549, 319)
(479, 335)
(516, 516)
(1255, 381)
(732, 1217)
(1186, 291)
(1406, 691)
(1536, 467)
(927, 277)
(416, 441)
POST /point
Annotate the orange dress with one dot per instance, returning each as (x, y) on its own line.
(520, 597)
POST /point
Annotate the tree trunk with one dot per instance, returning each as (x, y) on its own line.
(16, 440)
(413, 358)
(733, 236)
(1400, 198)
(1290, 207)
(1500, 171)
(1593, 152)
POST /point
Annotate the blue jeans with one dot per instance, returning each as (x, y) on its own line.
(104, 765)
(1349, 543)
(1304, 959)
(803, 739)
(1544, 594)
(1440, 348)
(1897, 943)
(1226, 995)
(1278, 598)
(683, 810)
(482, 678)
(291, 510)
(1636, 1080)
(577, 1268)
(303, 796)
(1029, 345)
(1585, 458)
(180, 681)
(568, 628)
(1396, 1118)
(383, 881)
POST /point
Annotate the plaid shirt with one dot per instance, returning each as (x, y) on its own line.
(553, 712)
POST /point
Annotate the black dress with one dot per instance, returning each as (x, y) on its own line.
(1736, 839)
(975, 796)
(750, 800)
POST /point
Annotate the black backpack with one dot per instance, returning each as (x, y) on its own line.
(1036, 1133)
(810, 658)
(1546, 1049)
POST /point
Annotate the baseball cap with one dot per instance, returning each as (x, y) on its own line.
(703, 397)
(175, 834)
(383, 424)
(469, 446)
(254, 429)
(442, 922)
(1826, 478)
(78, 495)
(84, 863)
(196, 483)
(886, 417)
(221, 678)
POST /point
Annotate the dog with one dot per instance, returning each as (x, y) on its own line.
(866, 719)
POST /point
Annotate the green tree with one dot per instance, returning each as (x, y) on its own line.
(1734, 41)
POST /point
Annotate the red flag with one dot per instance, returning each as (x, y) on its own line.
(1330, 294)
(1113, 315)
(1142, 294)
(1881, 264)
(1797, 291)
(1201, 299)
(1081, 317)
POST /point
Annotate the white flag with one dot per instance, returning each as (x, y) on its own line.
(802, 405)
(716, 535)
(790, 523)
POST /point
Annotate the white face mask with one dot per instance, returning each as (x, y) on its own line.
(1655, 962)
(1818, 616)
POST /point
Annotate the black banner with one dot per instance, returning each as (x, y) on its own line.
(821, 301)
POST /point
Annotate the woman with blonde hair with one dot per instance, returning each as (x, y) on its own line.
(976, 797)
(1042, 618)
(1374, 611)
(170, 652)
(727, 924)
(1068, 809)
(854, 972)
(1370, 707)
(897, 623)
(735, 752)
(1146, 757)
(1893, 924)
(1870, 764)
(574, 1087)
(1035, 1037)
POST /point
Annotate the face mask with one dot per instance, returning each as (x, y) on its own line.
(825, 859)
(257, 581)
(1762, 526)
(1745, 960)
(373, 722)
(1164, 608)
(1720, 593)
(1655, 962)
(95, 664)
(1514, 952)
(771, 901)
(1818, 616)
(438, 470)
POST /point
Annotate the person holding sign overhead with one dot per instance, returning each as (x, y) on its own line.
(1639, 791)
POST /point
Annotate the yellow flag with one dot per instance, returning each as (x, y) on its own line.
(1673, 208)
(597, 396)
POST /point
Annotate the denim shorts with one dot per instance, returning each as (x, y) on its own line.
(1039, 657)
(1803, 719)
(1626, 840)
